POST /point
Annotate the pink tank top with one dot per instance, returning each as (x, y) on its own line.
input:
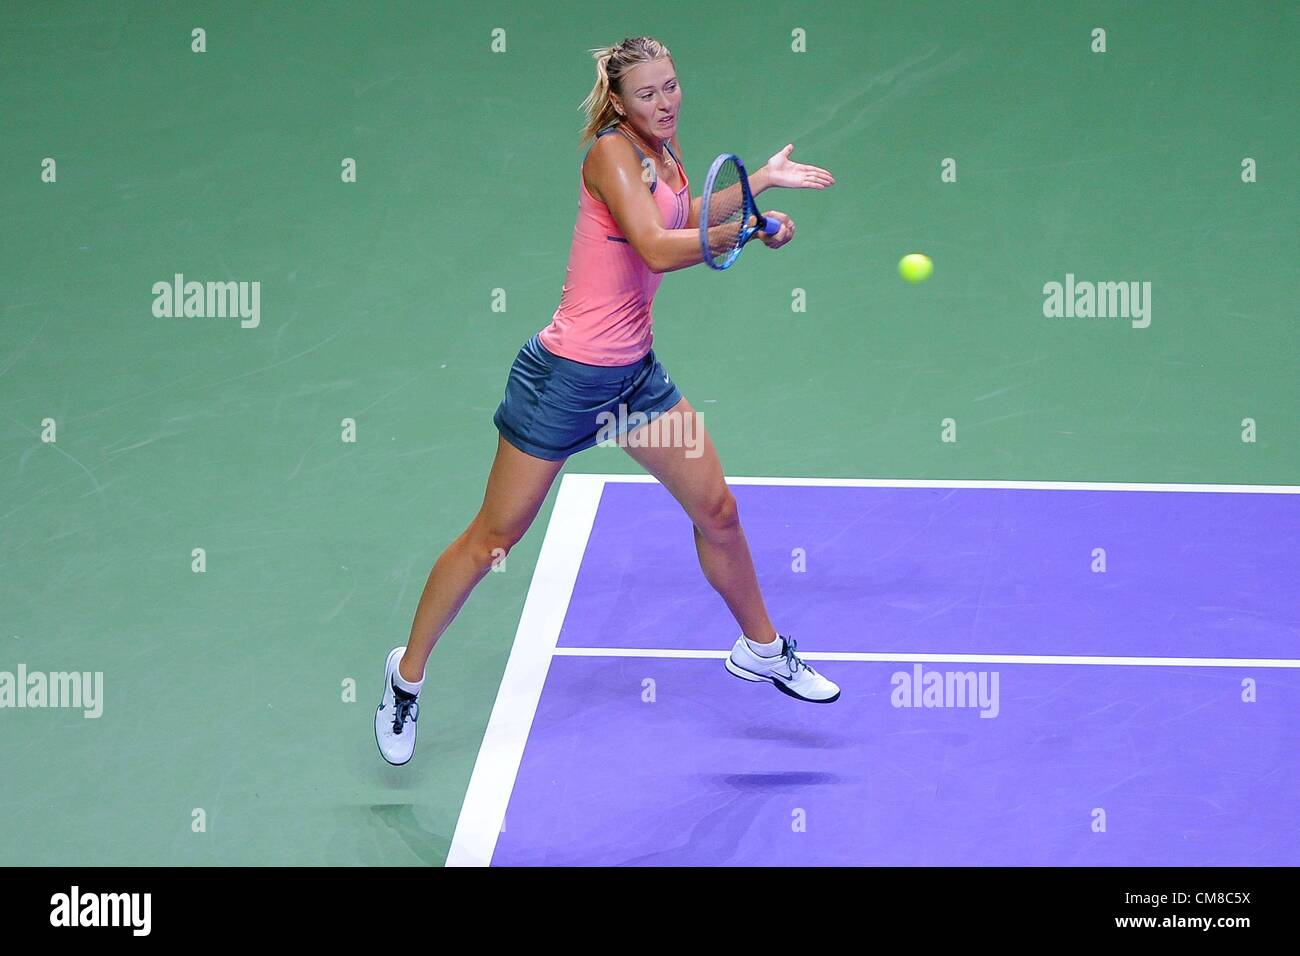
(605, 310)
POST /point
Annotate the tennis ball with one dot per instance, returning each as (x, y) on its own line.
(915, 267)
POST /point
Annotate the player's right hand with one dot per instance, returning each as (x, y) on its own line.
(782, 235)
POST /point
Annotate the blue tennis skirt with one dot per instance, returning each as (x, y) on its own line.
(555, 407)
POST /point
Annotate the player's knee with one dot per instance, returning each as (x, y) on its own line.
(489, 545)
(722, 516)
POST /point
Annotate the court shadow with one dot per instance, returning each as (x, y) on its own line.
(791, 735)
(428, 847)
(769, 782)
(388, 777)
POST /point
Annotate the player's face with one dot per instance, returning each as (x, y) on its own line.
(651, 98)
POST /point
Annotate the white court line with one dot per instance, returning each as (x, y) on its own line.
(551, 589)
(984, 483)
(497, 765)
(944, 658)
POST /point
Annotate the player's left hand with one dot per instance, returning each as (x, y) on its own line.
(783, 171)
(782, 235)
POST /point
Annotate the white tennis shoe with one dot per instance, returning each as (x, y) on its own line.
(786, 670)
(395, 719)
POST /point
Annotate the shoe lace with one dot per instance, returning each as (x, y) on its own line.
(791, 661)
(404, 708)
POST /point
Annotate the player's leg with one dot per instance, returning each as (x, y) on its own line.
(693, 475)
(516, 487)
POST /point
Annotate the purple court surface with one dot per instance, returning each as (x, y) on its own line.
(1031, 673)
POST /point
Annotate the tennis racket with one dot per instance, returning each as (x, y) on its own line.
(726, 210)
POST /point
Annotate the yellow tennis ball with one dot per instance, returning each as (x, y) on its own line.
(915, 267)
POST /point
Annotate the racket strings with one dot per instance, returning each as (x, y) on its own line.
(725, 207)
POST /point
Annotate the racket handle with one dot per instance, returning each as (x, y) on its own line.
(771, 226)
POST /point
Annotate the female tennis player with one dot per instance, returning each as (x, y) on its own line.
(636, 221)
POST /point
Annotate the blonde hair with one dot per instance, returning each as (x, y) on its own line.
(612, 64)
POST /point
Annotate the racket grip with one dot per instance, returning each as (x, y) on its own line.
(771, 226)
